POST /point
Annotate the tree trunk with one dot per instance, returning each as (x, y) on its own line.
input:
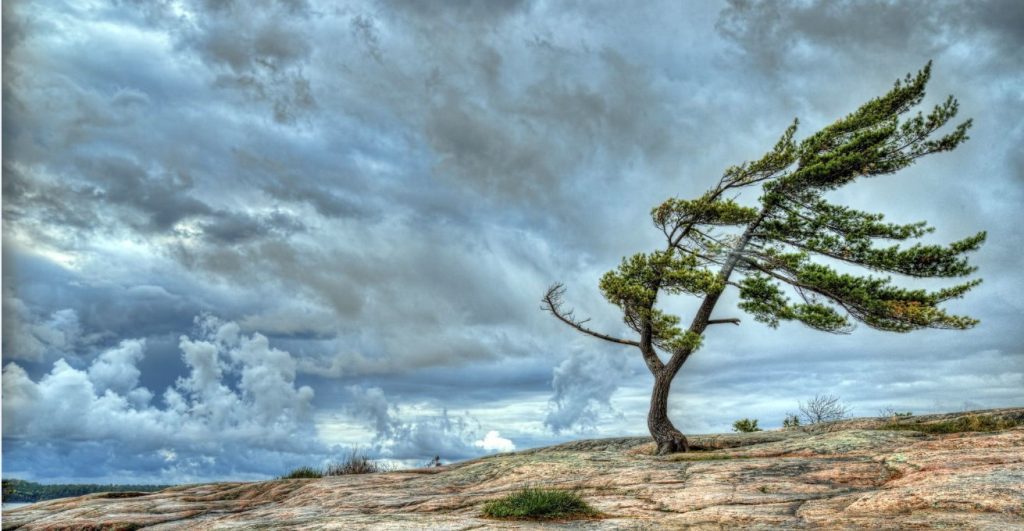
(668, 438)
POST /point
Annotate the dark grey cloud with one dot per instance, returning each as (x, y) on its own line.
(383, 190)
(769, 31)
(583, 385)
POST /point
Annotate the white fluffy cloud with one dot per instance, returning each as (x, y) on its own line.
(452, 437)
(493, 441)
(239, 397)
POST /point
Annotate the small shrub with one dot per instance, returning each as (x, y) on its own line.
(745, 426)
(304, 472)
(893, 414)
(540, 504)
(355, 463)
(791, 421)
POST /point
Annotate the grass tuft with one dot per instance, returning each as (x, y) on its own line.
(354, 463)
(303, 472)
(540, 504)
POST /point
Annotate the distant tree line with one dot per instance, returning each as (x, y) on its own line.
(20, 491)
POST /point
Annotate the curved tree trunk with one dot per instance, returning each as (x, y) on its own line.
(668, 438)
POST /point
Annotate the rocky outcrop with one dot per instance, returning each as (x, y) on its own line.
(849, 475)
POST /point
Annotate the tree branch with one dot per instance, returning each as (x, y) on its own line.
(701, 319)
(731, 320)
(552, 302)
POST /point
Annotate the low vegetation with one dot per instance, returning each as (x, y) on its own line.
(892, 413)
(304, 472)
(354, 463)
(540, 504)
(959, 425)
(745, 426)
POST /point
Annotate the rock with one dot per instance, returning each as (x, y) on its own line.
(850, 475)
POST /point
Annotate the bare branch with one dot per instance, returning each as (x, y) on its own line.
(552, 302)
(731, 320)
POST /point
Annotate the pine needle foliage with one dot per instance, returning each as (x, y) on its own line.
(794, 255)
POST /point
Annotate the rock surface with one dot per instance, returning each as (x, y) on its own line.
(849, 475)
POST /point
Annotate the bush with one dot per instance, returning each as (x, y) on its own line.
(304, 472)
(745, 426)
(540, 504)
(791, 421)
(355, 463)
(823, 408)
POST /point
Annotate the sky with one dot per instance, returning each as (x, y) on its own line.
(240, 237)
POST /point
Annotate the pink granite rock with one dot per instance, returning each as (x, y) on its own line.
(851, 476)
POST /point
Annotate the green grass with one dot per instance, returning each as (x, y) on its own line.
(960, 425)
(304, 472)
(540, 504)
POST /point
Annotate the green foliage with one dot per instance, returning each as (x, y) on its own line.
(540, 504)
(784, 241)
(634, 286)
(745, 426)
(304, 472)
(20, 491)
(791, 421)
(705, 211)
(970, 423)
(799, 225)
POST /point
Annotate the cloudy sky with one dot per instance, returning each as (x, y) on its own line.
(240, 237)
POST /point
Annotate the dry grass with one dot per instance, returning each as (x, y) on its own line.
(969, 423)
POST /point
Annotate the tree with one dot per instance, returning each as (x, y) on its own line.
(788, 243)
(823, 408)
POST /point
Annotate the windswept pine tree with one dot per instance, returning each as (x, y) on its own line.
(781, 254)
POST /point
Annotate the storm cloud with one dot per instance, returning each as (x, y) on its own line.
(372, 197)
